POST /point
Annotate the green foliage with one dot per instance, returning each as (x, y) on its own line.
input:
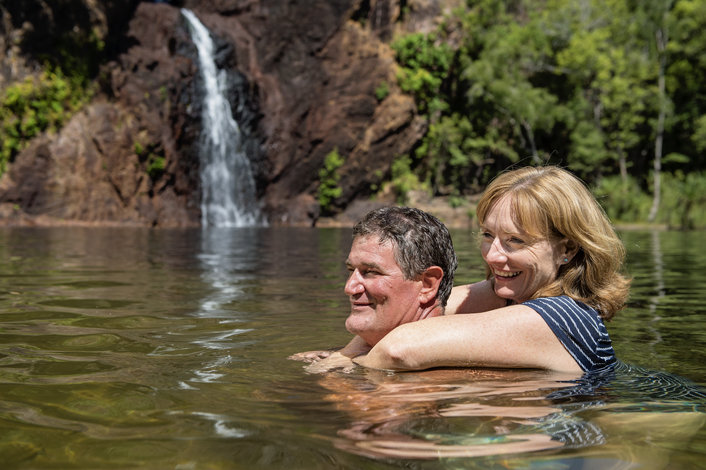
(622, 200)
(45, 102)
(425, 63)
(403, 179)
(78, 52)
(36, 105)
(382, 91)
(328, 180)
(699, 135)
(683, 203)
(684, 200)
(456, 201)
(151, 155)
(573, 83)
(456, 151)
(156, 165)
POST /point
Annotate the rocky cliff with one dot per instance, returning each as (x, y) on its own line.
(303, 73)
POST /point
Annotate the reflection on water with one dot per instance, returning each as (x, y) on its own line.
(451, 413)
(131, 348)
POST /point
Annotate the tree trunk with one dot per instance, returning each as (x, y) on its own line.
(623, 163)
(661, 39)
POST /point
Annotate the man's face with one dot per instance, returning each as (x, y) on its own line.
(381, 298)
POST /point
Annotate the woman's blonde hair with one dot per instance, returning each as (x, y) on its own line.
(550, 203)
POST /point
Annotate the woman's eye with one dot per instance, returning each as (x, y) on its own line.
(517, 241)
(487, 235)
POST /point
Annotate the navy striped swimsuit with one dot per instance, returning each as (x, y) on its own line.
(579, 328)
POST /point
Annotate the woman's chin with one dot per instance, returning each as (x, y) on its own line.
(505, 293)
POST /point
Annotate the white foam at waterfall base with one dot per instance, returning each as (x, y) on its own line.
(228, 197)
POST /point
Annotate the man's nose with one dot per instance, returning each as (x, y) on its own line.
(353, 284)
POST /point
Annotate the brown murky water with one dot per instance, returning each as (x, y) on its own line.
(167, 349)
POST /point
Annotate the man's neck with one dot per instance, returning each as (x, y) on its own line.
(434, 310)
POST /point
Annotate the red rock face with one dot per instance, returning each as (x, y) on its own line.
(307, 77)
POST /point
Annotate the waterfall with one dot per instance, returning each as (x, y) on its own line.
(228, 196)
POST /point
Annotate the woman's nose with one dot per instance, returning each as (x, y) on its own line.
(353, 284)
(496, 253)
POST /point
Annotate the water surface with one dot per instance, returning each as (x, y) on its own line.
(134, 348)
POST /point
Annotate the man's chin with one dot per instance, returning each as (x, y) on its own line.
(353, 327)
(358, 323)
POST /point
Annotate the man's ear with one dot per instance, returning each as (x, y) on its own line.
(431, 279)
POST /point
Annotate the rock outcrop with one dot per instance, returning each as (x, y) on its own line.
(304, 77)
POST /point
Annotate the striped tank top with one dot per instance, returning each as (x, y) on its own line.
(579, 328)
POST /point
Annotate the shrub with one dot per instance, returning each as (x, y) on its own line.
(328, 180)
(683, 200)
(382, 91)
(623, 201)
(36, 105)
(403, 179)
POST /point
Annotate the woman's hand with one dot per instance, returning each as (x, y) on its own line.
(335, 361)
(311, 356)
(325, 361)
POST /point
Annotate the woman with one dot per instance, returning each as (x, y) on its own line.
(553, 276)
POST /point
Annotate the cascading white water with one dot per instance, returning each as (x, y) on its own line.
(227, 184)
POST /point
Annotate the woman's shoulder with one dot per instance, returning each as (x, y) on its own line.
(563, 305)
(579, 327)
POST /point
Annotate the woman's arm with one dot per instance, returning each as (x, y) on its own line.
(473, 298)
(509, 337)
(355, 347)
(341, 359)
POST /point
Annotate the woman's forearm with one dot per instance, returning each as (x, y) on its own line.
(397, 351)
(511, 337)
(355, 347)
(473, 298)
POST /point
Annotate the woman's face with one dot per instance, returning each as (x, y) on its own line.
(519, 265)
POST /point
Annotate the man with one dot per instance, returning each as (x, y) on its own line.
(401, 266)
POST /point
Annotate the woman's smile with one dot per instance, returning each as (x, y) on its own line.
(506, 274)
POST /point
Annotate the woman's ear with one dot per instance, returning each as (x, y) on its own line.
(569, 249)
(431, 279)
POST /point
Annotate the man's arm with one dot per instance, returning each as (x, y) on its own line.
(509, 337)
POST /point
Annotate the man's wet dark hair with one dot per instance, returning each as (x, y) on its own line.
(420, 241)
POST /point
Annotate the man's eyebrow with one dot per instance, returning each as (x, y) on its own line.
(374, 266)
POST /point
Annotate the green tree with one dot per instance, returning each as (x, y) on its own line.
(613, 89)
